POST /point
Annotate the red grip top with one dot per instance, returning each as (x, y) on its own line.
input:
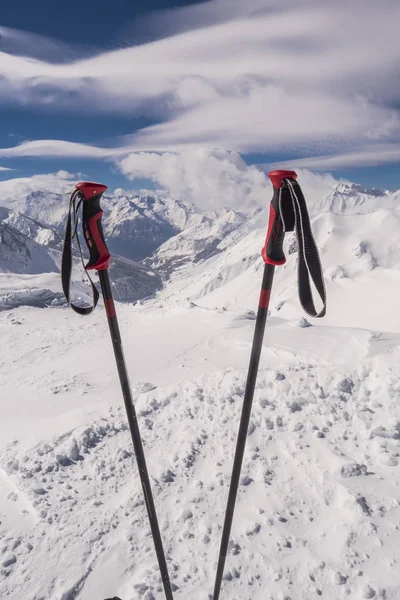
(90, 189)
(92, 227)
(278, 176)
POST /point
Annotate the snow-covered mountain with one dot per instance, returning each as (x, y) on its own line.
(351, 198)
(21, 254)
(32, 219)
(198, 242)
(135, 226)
(194, 253)
(201, 251)
(318, 509)
(358, 235)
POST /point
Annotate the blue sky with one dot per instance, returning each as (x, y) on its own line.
(97, 27)
(83, 84)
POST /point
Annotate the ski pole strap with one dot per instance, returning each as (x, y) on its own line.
(288, 212)
(71, 232)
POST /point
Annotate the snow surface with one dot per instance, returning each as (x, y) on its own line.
(318, 511)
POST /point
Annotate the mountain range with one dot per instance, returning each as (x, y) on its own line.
(163, 246)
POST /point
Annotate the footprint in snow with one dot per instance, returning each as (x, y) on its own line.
(353, 470)
(303, 323)
(387, 461)
(142, 387)
(368, 592)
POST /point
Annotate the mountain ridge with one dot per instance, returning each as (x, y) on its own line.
(184, 252)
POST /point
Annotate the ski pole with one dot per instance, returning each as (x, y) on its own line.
(288, 212)
(89, 195)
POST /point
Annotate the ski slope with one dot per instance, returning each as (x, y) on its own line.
(324, 436)
(318, 511)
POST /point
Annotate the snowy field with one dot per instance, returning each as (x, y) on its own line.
(318, 511)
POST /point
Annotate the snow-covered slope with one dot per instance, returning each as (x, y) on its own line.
(19, 254)
(44, 198)
(204, 239)
(318, 506)
(353, 199)
(40, 233)
(360, 253)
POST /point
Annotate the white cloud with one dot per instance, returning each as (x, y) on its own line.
(367, 156)
(13, 41)
(5, 169)
(56, 148)
(206, 178)
(270, 118)
(248, 76)
(219, 178)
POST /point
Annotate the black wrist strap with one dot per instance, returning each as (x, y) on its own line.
(295, 218)
(71, 231)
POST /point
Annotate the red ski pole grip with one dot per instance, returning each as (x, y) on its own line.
(99, 256)
(272, 251)
(277, 177)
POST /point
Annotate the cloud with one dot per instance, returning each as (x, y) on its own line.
(24, 44)
(367, 156)
(207, 178)
(270, 118)
(211, 178)
(161, 24)
(5, 169)
(56, 148)
(254, 76)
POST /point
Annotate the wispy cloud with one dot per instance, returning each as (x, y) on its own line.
(252, 76)
(35, 46)
(5, 169)
(368, 156)
(58, 148)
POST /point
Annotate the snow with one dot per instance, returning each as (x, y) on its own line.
(318, 510)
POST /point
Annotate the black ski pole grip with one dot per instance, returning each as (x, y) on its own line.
(272, 251)
(99, 256)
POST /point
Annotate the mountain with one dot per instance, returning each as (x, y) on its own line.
(40, 233)
(32, 222)
(43, 198)
(158, 242)
(359, 242)
(21, 254)
(135, 227)
(194, 253)
(205, 238)
(351, 198)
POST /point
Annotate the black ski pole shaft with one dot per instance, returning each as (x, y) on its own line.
(134, 428)
(99, 260)
(244, 422)
(272, 254)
